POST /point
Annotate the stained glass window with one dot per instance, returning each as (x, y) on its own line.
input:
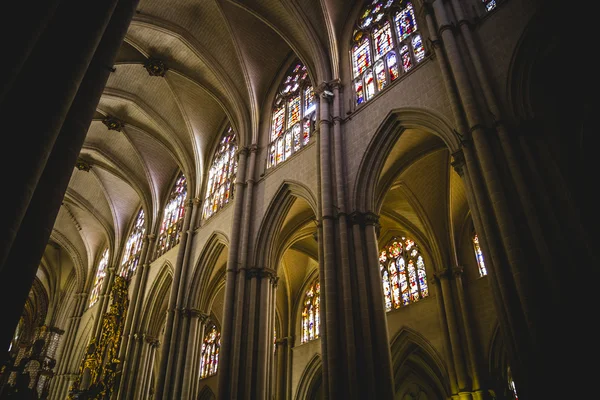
(100, 274)
(310, 313)
(293, 115)
(511, 385)
(209, 360)
(133, 247)
(170, 228)
(221, 177)
(479, 256)
(402, 273)
(489, 4)
(388, 30)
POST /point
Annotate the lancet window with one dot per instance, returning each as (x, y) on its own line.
(293, 119)
(133, 247)
(479, 256)
(170, 228)
(221, 177)
(209, 360)
(100, 274)
(402, 273)
(310, 312)
(386, 43)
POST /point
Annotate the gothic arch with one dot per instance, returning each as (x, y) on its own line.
(205, 267)
(206, 394)
(157, 301)
(310, 380)
(266, 249)
(367, 188)
(416, 363)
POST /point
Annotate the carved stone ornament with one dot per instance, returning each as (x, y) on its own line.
(113, 124)
(83, 165)
(155, 67)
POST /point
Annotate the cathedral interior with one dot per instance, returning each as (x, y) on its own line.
(297, 199)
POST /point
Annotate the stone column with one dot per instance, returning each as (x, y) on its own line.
(168, 353)
(202, 323)
(64, 106)
(281, 353)
(146, 385)
(226, 359)
(452, 320)
(194, 340)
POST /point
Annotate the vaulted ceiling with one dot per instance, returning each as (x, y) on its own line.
(223, 59)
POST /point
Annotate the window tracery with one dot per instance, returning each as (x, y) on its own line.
(221, 177)
(293, 118)
(100, 274)
(170, 228)
(385, 43)
(310, 312)
(133, 247)
(403, 273)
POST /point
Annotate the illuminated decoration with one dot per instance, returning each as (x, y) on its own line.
(511, 385)
(489, 4)
(99, 368)
(209, 360)
(310, 313)
(113, 124)
(170, 228)
(155, 67)
(402, 273)
(133, 247)
(385, 29)
(100, 274)
(292, 123)
(221, 177)
(83, 165)
(479, 256)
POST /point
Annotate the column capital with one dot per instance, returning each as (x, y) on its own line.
(448, 273)
(257, 272)
(458, 162)
(242, 151)
(196, 200)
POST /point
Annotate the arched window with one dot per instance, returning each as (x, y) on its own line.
(385, 44)
(170, 229)
(221, 177)
(210, 351)
(133, 247)
(489, 4)
(310, 312)
(511, 386)
(479, 256)
(293, 120)
(100, 274)
(403, 273)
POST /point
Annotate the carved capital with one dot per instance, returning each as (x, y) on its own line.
(242, 151)
(204, 318)
(155, 67)
(261, 273)
(83, 165)
(458, 162)
(113, 124)
(448, 273)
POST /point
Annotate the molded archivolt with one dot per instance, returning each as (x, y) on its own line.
(206, 394)
(366, 187)
(199, 295)
(418, 369)
(311, 380)
(266, 247)
(156, 301)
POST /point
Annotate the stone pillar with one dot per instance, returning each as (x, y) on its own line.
(202, 323)
(228, 328)
(443, 278)
(194, 340)
(281, 354)
(165, 382)
(73, 92)
(146, 387)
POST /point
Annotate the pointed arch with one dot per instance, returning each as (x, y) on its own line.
(273, 219)
(157, 300)
(310, 380)
(367, 188)
(415, 362)
(205, 267)
(206, 394)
